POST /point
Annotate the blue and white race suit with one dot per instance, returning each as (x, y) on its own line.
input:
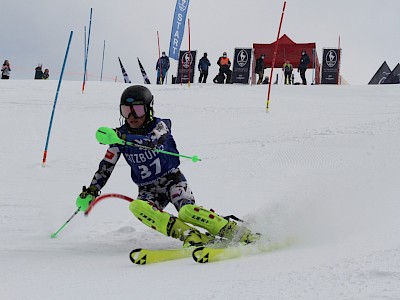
(158, 176)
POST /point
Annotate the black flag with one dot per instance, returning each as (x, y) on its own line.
(241, 65)
(381, 74)
(186, 66)
(330, 65)
(145, 77)
(126, 77)
(394, 76)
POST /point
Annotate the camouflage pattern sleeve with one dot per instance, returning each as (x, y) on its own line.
(160, 132)
(106, 167)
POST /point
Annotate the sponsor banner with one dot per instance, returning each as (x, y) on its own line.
(241, 65)
(126, 77)
(144, 74)
(178, 28)
(186, 66)
(330, 66)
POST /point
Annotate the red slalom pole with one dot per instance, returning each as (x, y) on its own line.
(102, 197)
(275, 52)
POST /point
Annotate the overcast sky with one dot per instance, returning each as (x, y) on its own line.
(37, 31)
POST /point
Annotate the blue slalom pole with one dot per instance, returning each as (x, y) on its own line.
(55, 101)
(84, 49)
(87, 51)
(102, 62)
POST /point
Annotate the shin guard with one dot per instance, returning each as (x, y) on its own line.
(153, 218)
(203, 218)
(167, 224)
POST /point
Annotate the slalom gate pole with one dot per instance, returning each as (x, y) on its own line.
(159, 58)
(313, 65)
(274, 57)
(181, 70)
(102, 197)
(87, 51)
(102, 61)
(55, 101)
(190, 53)
(84, 48)
(54, 235)
(283, 71)
(338, 59)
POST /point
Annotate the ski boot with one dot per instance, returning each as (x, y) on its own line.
(190, 236)
(238, 234)
(217, 225)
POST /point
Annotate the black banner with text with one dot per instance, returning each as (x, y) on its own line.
(241, 65)
(330, 66)
(186, 66)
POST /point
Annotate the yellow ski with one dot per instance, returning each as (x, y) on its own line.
(147, 256)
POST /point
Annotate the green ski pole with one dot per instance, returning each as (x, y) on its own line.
(54, 235)
(107, 136)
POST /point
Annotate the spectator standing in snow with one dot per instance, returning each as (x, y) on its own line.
(304, 61)
(203, 66)
(288, 70)
(224, 67)
(38, 72)
(162, 68)
(260, 68)
(46, 74)
(5, 70)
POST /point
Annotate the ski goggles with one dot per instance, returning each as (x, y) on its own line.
(137, 110)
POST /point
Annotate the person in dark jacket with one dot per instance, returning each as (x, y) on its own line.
(224, 67)
(5, 70)
(38, 72)
(260, 68)
(162, 68)
(304, 61)
(46, 74)
(203, 66)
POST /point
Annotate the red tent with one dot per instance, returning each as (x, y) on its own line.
(288, 50)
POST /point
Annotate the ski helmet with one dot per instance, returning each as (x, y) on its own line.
(138, 94)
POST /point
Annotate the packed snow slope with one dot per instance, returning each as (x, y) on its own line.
(320, 169)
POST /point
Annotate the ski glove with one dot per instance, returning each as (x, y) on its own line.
(87, 196)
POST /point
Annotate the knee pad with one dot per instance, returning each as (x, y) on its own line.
(203, 218)
(149, 216)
